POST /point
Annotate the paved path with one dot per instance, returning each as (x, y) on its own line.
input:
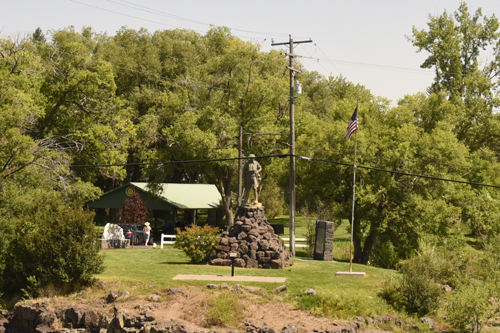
(230, 278)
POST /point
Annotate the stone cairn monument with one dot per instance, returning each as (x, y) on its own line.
(254, 240)
(251, 237)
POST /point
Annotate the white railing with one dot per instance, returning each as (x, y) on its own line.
(171, 240)
(301, 240)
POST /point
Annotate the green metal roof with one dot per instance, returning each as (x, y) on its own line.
(171, 196)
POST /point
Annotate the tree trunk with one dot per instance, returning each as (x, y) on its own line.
(362, 252)
(226, 201)
(370, 243)
(358, 248)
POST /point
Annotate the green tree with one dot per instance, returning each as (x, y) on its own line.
(189, 98)
(456, 44)
(392, 211)
(39, 197)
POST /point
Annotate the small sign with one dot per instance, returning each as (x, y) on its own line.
(130, 191)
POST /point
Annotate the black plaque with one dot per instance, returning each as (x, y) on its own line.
(323, 244)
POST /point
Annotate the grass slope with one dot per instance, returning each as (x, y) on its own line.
(138, 269)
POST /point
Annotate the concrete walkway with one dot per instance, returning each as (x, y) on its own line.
(230, 278)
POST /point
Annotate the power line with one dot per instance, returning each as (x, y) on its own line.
(381, 67)
(131, 16)
(156, 12)
(305, 158)
(319, 60)
(399, 172)
(161, 13)
(164, 14)
(171, 162)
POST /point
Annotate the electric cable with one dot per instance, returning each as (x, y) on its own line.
(288, 155)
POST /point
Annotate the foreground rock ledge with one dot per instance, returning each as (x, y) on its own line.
(39, 317)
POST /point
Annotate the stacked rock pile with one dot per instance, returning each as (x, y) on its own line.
(253, 240)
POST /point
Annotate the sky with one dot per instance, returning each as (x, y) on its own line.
(365, 41)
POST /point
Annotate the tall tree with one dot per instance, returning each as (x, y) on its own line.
(456, 44)
(190, 97)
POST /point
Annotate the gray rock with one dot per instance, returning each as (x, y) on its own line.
(112, 297)
(118, 321)
(428, 321)
(251, 263)
(266, 329)
(280, 289)
(154, 298)
(124, 296)
(211, 286)
(180, 328)
(221, 262)
(310, 291)
(237, 289)
(238, 262)
(447, 288)
(224, 286)
(290, 329)
(252, 289)
(173, 291)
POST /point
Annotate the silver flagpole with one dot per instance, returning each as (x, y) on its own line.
(349, 131)
(353, 194)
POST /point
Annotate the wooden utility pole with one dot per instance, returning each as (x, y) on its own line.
(240, 164)
(291, 55)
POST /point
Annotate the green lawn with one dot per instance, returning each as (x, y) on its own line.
(137, 269)
(143, 267)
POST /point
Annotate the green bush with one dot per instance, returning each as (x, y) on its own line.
(385, 255)
(420, 294)
(476, 297)
(470, 307)
(7, 228)
(391, 291)
(419, 288)
(197, 242)
(54, 247)
(416, 290)
(310, 236)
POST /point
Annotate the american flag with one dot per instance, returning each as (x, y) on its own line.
(353, 124)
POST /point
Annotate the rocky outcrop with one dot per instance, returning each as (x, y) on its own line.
(31, 318)
(27, 317)
(253, 239)
(37, 317)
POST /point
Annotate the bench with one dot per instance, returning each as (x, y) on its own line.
(296, 240)
(170, 240)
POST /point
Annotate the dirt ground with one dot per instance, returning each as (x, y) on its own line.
(190, 306)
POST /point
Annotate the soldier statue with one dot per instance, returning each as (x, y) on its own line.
(251, 174)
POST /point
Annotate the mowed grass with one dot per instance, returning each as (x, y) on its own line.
(160, 266)
(138, 269)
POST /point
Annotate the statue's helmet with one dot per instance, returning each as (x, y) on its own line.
(251, 156)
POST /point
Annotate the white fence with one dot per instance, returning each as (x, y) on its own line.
(300, 240)
(170, 240)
